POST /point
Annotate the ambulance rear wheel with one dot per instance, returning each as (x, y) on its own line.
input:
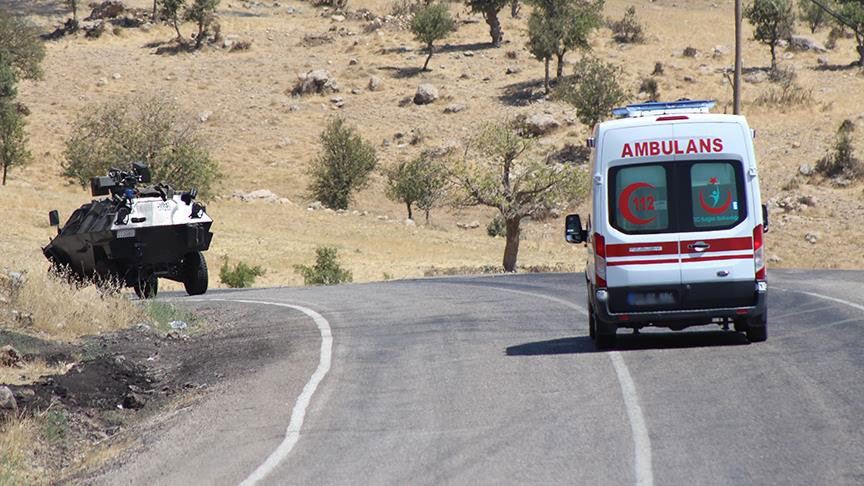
(592, 324)
(605, 334)
(147, 287)
(195, 276)
(757, 329)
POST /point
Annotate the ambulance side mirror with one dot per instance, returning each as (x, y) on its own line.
(573, 231)
(764, 218)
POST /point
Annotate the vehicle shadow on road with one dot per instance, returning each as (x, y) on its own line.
(630, 342)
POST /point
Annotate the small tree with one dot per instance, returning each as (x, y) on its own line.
(557, 26)
(430, 24)
(813, 15)
(594, 90)
(171, 10)
(202, 12)
(421, 182)
(20, 46)
(628, 29)
(501, 171)
(326, 271)
(151, 130)
(342, 167)
(13, 139)
(73, 4)
(774, 20)
(490, 9)
(841, 161)
(852, 11)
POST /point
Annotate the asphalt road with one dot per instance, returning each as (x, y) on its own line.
(493, 380)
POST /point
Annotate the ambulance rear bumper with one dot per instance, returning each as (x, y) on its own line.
(679, 319)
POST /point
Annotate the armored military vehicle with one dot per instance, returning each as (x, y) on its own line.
(140, 233)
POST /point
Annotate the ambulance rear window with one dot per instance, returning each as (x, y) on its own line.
(640, 199)
(715, 195)
(680, 196)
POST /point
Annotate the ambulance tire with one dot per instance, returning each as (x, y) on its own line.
(605, 334)
(757, 330)
(592, 324)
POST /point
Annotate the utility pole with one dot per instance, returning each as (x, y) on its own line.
(736, 83)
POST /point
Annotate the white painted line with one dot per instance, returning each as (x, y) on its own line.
(826, 297)
(292, 434)
(641, 440)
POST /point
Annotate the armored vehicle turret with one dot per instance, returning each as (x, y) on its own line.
(138, 234)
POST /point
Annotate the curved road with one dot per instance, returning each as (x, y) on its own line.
(493, 380)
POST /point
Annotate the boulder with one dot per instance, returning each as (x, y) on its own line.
(109, 9)
(316, 81)
(541, 124)
(803, 43)
(9, 356)
(756, 77)
(426, 93)
(454, 108)
(8, 405)
(374, 83)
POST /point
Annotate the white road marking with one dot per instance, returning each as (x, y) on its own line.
(292, 434)
(826, 297)
(639, 429)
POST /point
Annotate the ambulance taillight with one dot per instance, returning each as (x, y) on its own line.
(600, 260)
(759, 253)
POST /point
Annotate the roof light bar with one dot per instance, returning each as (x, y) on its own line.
(654, 108)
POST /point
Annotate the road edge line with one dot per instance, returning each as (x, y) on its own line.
(298, 413)
(638, 427)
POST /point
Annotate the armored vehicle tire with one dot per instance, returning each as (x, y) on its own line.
(147, 288)
(195, 273)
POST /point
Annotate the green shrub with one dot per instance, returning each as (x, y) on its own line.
(593, 90)
(342, 167)
(140, 129)
(421, 182)
(787, 94)
(240, 276)
(650, 87)
(496, 227)
(813, 15)
(628, 30)
(431, 23)
(773, 21)
(326, 271)
(841, 161)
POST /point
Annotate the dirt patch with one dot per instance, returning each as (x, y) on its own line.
(115, 382)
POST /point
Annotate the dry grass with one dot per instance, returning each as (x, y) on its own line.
(19, 440)
(49, 306)
(264, 138)
(31, 371)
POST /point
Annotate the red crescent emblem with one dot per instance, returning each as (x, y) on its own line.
(722, 209)
(624, 203)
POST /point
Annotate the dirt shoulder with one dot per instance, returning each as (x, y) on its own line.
(120, 386)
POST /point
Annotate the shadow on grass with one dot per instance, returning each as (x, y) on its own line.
(402, 72)
(522, 93)
(471, 47)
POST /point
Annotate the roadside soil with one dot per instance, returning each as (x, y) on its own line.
(122, 383)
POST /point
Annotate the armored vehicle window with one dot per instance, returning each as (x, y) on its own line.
(638, 198)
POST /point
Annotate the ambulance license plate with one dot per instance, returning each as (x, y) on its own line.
(650, 298)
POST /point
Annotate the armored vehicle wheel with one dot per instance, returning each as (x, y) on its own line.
(195, 273)
(147, 288)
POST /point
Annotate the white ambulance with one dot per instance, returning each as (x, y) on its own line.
(675, 233)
